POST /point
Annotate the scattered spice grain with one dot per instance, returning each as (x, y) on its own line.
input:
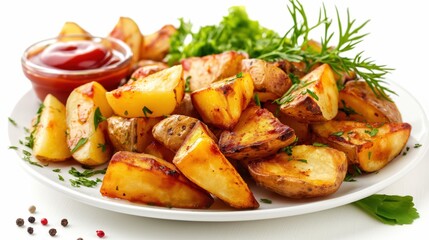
(20, 222)
(31, 219)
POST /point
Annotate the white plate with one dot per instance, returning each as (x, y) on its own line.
(412, 113)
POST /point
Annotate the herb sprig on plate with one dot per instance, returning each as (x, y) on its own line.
(238, 32)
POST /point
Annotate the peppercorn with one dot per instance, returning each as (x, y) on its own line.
(32, 209)
(52, 231)
(30, 230)
(44, 221)
(20, 222)
(31, 219)
(100, 233)
(64, 222)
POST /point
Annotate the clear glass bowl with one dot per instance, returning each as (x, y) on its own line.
(60, 83)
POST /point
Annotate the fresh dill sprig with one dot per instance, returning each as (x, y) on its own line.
(294, 46)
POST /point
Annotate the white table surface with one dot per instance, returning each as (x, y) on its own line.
(398, 38)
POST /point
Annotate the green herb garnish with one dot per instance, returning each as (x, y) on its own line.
(238, 32)
(389, 209)
(256, 99)
(146, 110)
(13, 122)
(266, 200)
(98, 117)
(79, 144)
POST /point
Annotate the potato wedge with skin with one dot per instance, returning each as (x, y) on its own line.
(156, 95)
(267, 77)
(369, 146)
(130, 134)
(359, 103)
(222, 102)
(72, 28)
(172, 131)
(314, 99)
(144, 178)
(301, 129)
(257, 134)
(201, 161)
(158, 150)
(49, 133)
(202, 71)
(187, 108)
(156, 45)
(308, 172)
(86, 139)
(145, 68)
(127, 30)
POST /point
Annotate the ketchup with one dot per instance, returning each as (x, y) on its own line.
(58, 67)
(76, 55)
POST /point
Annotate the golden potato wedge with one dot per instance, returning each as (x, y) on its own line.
(257, 134)
(314, 99)
(308, 172)
(359, 103)
(301, 129)
(127, 30)
(158, 150)
(72, 28)
(49, 133)
(143, 178)
(156, 45)
(145, 68)
(369, 146)
(267, 77)
(222, 102)
(202, 71)
(156, 95)
(86, 108)
(187, 108)
(201, 161)
(172, 131)
(130, 134)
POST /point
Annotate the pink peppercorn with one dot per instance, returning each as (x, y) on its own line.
(44, 221)
(100, 233)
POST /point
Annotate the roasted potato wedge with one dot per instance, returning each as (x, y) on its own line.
(369, 146)
(257, 134)
(72, 28)
(143, 178)
(201, 161)
(130, 134)
(359, 103)
(267, 77)
(301, 129)
(86, 132)
(145, 68)
(308, 172)
(222, 102)
(172, 131)
(187, 108)
(156, 95)
(202, 71)
(49, 131)
(158, 150)
(127, 30)
(314, 99)
(156, 45)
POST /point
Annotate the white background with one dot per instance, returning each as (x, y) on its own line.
(398, 38)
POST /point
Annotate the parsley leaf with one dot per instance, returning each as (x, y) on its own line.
(389, 209)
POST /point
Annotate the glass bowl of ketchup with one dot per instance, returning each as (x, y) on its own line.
(59, 65)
